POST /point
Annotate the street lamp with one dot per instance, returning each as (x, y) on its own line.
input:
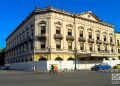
(75, 55)
(75, 44)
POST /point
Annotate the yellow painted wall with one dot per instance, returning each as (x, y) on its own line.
(52, 56)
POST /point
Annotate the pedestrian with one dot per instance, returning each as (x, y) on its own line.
(52, 68)
(56, 69)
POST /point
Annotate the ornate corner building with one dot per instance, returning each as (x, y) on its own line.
(52, 34)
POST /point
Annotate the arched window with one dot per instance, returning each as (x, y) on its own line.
(59, 59)
(100, 58)
(106, 59)
(43, 59)
(113, 58)
(69, 25)
(92, 58)
(22, 60)
(18, 60)
(119, 57)
(58, 23)
(42, 26)
(58, 27)
(69, 28)
(70, 58)
(26, 60)
(30, 59)
(42, 22)
(31, 26)
(89, 29)
(81, 27)
(82, 58)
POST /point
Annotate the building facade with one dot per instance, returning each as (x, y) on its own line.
(52, 34)
(117, 36)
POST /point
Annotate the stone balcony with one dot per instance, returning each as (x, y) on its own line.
(25, 40)
(91, 40)
(81, 39)
(112, 43)
(106, 43)
(58, 36)
(104, 51)
(42, 36)
(30, 38)
(99, 41)
(71, 38)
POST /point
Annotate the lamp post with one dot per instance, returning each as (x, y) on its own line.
(75, 44)
(75, 55)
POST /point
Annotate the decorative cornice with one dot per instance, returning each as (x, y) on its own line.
(51, 9)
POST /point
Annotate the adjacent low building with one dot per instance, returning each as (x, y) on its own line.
(2, 57)
(49, 34)
(117, 36)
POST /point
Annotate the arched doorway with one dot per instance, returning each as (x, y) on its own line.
(71, 59)
(26, 60)
(58, 59)
(113, 58)
(106, 58)
(43, 59)
(119, 57)
(30, 59)
(83, 58)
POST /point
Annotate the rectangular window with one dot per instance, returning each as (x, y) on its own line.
(23, 36)
(91, 47)
(69, 32)
(98, 36)
(98, 47)
(118, 42)
(43, 29)
(42, 44)
(105, 38)
(58, 44)
(27, 34)
(31, 45)
(111, 39)
(81, 34)
(118, 50)
(25, 47)
(112, 49)
(22, 48)
(19, 49)
(90, 35)
(32, 32)
(20, 39)
(105, 48)
(69, 45)
(17, 39)
(81, 46)
(58, 30)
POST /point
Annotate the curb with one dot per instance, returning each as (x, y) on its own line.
(112, 70)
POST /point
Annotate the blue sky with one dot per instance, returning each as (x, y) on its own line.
(12, 12)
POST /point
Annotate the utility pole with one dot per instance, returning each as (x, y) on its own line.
(75, 49)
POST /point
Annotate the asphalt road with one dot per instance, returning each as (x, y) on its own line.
(14, 78)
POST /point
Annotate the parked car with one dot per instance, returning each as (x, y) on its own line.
(117, 66)
(5, 68)
(102, 66)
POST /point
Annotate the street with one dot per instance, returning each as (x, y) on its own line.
(87, 78)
